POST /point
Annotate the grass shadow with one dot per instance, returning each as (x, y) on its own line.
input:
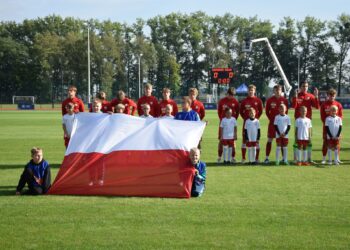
(7, 190)
(18, 166)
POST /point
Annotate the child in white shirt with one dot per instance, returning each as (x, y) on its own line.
(228, 135)
(252, 135)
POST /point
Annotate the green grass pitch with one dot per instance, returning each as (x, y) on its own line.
(260, 207)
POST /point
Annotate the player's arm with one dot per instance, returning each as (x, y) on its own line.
(241, 110)
(294, 100)
(315, 101)
(220, 132)
(260, 108)
(219, 109)
(287, 130)
(139, 107)
(323, 114)
(246, 134)
(63, 108)
(267, 108)
(202, 111)
(236, 114)
(258, 138)
(81, 106)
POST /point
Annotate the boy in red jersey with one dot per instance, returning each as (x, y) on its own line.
(272, 110)
(308, 100)
(227, 102)
(196, 104)
(325, 111)
(167, 101)
(78, 103)
(251, 101)
(130, 105)
(148, 99)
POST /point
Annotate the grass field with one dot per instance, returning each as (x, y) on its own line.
(261, 207)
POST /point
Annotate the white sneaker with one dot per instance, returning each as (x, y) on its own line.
(323, 162)
(329, 163)
(267, 161)
(243, 161)
(336, 163)
(340, 162)
(233, 161)
(219, 160)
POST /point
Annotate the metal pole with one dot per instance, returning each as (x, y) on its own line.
(140, 75)
(298, 71)
(89, 94)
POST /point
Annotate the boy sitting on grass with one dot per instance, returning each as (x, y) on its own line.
(36, 174)
(198, 185)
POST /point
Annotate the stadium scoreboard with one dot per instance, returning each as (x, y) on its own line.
(221, 75)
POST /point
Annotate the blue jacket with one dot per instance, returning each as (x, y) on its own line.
(202, 172)
(187, 116)
(38, 169)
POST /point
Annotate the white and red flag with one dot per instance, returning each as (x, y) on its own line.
(123, 155)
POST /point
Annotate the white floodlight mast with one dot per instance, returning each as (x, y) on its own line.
(288, 87)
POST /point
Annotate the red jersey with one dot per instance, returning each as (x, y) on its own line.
(304, 99)
(78, 105)
(228, 103)
(153, 103)
(130, 105)
(105, 107)
(199, 108)
(251, 102)
(272, 106)
(326, 107)
(162, 106)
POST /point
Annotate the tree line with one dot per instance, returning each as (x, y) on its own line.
(41, 57)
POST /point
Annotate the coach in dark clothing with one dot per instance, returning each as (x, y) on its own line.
(36, 175)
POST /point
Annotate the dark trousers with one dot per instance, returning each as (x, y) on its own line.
(27, 177)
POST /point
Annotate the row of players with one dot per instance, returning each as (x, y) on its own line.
(149, 105)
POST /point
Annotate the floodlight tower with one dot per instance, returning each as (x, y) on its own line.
(247, 47)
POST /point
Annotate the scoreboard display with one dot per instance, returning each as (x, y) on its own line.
(221, 75)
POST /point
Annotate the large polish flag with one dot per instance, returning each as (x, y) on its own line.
(122, 155)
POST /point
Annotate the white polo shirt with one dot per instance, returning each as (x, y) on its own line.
(252, 127)
(282, 122)
(228, 125)
(333, 123)
(303, 125)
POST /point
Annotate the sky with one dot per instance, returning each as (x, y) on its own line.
(128, 10)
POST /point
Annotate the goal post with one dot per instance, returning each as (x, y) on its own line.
(24, 102)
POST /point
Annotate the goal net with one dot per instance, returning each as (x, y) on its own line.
(23, 100)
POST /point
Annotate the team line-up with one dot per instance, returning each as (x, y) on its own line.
(229, 109)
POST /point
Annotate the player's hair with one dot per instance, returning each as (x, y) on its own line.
(195, 150)
(169, 106)
(283, 105)
(35, 150)
(303, 108)
(97, 101)
(166, 90)
(334, 107)
(252, 110)
(227, 109)
(100, 94)
(70, 105)
(187, 99)
(231, 91)
(251, 86)
(146, 105)
(277, 86)
(120, 93)
(120, 106)
(148, 86)
(331, 92)
(303, 82)
(72, 87)
(193, 90)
